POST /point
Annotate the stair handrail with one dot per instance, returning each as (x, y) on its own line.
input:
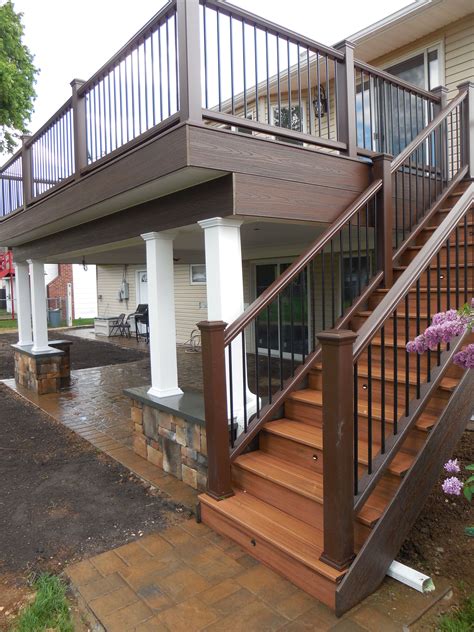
(424, 134)
(379, 319)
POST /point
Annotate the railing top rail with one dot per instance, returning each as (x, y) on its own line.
(362, 65)
(298, 265)
(414, 270)
(272, 27)
(423, 135)
(132, 43)
(10, 161)
(50, 122)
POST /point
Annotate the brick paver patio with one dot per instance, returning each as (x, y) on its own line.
(188, 578)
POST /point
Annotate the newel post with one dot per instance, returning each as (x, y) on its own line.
(346, 114)
(338, 442)
(79, 128)
(468, 126)
(189, 59)
(219, 484)
(26, 170)
(385, 210)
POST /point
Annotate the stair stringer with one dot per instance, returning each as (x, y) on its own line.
(370, 566)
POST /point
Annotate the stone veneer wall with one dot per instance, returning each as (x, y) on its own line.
(44, 373)
(176, 445)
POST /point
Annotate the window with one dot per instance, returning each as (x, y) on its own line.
(281, 117)
(421, 69)
(197, 274)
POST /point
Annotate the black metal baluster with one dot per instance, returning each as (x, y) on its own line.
(382, 386)
(407, 358)
(257, 368)
(356, 429)
(219, 78)
(280, 337)
(457, 306)
(428, 319)
(466, 259)
(269, 356)
(395, 372)
(244, 68)
(244, 382)
(292, 326)
(231, 396)
(333, 297)
(418, 357)
(369, 408)
(256, 70)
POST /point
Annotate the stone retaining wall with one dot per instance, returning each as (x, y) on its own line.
(43, 373)
(176, 445)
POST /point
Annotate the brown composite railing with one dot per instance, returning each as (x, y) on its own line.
(390, 112)
(11, 185)
(210, 63)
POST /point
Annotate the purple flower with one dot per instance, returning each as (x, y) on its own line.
(452, 466)
(465, 358)
(452, 486)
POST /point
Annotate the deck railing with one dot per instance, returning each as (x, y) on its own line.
(208, 62)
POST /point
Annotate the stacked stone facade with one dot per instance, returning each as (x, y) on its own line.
(44, 373)
(176, 445)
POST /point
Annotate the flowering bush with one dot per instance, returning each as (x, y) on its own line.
(444, 327)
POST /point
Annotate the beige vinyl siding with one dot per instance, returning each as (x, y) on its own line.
(190, 302)
(109, 280)
(457, 39)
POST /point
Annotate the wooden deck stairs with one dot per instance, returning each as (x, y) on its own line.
(277, 508)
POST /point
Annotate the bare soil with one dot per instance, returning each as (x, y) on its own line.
(85, 354)
(61, 500)
(437, 544)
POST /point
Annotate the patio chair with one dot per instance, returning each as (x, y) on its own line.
(119, 326)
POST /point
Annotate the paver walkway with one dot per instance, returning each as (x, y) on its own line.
(188, 578)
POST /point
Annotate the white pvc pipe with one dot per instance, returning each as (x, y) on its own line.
(410, 577)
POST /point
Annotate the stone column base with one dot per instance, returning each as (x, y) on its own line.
(169, 436)
(44, 372)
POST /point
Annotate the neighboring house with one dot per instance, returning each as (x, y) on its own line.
(328, 206)
(83, 285)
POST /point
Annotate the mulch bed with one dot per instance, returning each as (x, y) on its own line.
(62, 500)
(85, 354)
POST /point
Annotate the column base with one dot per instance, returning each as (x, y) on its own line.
(164, 392)
(43, 372)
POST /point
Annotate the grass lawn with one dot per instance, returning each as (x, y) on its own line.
(77, 322)
(49, 610)
(8, 324)
(460, 620)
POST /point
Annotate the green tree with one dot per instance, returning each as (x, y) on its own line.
(17, 78)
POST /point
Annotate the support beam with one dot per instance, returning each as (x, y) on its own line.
(225, 302)
(23, 303)
(161, 314)
(38, 306)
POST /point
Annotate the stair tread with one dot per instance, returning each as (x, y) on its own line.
(303, 481)
(290, 535)
(314, 397)
(313, 437)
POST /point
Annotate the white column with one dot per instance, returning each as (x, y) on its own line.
(161, 314)
(38, 305)
(23, 303)
(225, 297)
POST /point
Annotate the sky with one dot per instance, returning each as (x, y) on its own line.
(73, 39)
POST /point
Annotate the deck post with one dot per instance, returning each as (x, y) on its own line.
(338, 441)
(189, 60)
(441, 145)
(468, 124)
(79, 128)
(384, 210)
(38, 306)
(23, 303)
(219, 483)
(26, 170)
(161, 313)
(346, 114)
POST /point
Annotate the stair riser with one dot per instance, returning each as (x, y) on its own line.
(301, 411)
(443, 278)
(292, 451)
(455, 301)
(463, 256)
(305, 578)
(315, 382)
(426, 234)
(298, 506)
(358, 321)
